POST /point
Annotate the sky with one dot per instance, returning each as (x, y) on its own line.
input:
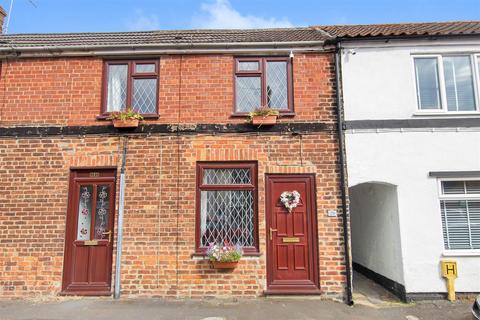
(37, 16)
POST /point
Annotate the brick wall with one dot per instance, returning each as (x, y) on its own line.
(193, 89)
(157, 254)
(160, 175)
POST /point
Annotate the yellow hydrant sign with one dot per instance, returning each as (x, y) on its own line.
(450, 272)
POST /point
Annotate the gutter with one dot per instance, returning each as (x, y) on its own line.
(343, 186)
(166, 48)
(388, 38)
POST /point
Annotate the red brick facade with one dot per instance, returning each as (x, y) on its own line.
(159, 230)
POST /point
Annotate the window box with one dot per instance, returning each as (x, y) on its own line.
(125, 123)
(264, 120)
(224, 265)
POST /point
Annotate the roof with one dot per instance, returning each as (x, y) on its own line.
(229, 38)
(403, 29)
(153, 38)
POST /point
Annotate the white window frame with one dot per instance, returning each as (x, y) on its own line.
(442, 196)
(441, 82)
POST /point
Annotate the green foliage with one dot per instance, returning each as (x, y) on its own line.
(128, 114)
(263, 112)
(225, 253)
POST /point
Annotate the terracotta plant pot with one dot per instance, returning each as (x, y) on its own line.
(224, 265)
(128, 123)
(264, 120)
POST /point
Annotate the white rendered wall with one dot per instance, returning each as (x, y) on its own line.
(378, 84)
(375, 229)
(405, 159)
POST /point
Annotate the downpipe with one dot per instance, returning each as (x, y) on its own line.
(121, 206)
(341, 147)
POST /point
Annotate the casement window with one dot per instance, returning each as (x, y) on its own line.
(227, 205)
(447, 83)
(132, 84)
(460, 211)
(263, 82)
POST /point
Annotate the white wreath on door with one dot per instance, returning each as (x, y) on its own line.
(290, 199)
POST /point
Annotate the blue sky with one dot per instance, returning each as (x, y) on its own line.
(34, 16)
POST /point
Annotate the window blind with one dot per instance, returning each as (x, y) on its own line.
(460, 213)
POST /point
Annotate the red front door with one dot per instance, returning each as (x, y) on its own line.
(292, 265)
(87, 266)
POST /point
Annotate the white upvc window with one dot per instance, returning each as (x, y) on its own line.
(460, 212)
(447, 83)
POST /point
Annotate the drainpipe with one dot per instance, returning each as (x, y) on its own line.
(341, 144)
(121, 205)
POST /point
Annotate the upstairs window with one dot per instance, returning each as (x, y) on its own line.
(446, 83)
(460, 210)
(131, 84)
(263, 82)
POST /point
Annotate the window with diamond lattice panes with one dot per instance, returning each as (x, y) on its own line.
(227, 205)
(263, 82)
(131, 84)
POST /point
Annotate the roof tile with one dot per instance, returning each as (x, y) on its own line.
(403, 29)
(162, 37)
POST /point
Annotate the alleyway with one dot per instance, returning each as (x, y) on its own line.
(293, 308)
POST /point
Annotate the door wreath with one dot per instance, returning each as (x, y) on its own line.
(290, 199)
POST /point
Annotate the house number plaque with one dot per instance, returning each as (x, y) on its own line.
(94, 174)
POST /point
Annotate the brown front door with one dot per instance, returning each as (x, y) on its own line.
(87, 266)
(292, 265)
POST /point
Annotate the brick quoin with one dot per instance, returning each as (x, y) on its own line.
(159, 229)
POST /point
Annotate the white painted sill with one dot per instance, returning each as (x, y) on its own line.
(446, 114)
(461, 253)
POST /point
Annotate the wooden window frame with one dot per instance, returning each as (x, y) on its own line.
(261, 73)
(253, 167)
(131, 75)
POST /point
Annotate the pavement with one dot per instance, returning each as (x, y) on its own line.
(261, 308)
(372, 302)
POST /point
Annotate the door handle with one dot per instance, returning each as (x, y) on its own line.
(109, 235)
(271, 233)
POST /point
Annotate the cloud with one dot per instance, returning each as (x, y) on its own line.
(221, 15)
(142, 21)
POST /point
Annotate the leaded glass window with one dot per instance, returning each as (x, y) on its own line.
(131, 84)
(227, 205)
(101, 211)
(263, 82)
(84, 212)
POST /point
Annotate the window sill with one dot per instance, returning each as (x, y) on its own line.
(446, 114)
(461, 253)
(104, 117)
(245, 115)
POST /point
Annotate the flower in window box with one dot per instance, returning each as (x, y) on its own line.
(125, 119)
(263, 116)
(224, 256)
